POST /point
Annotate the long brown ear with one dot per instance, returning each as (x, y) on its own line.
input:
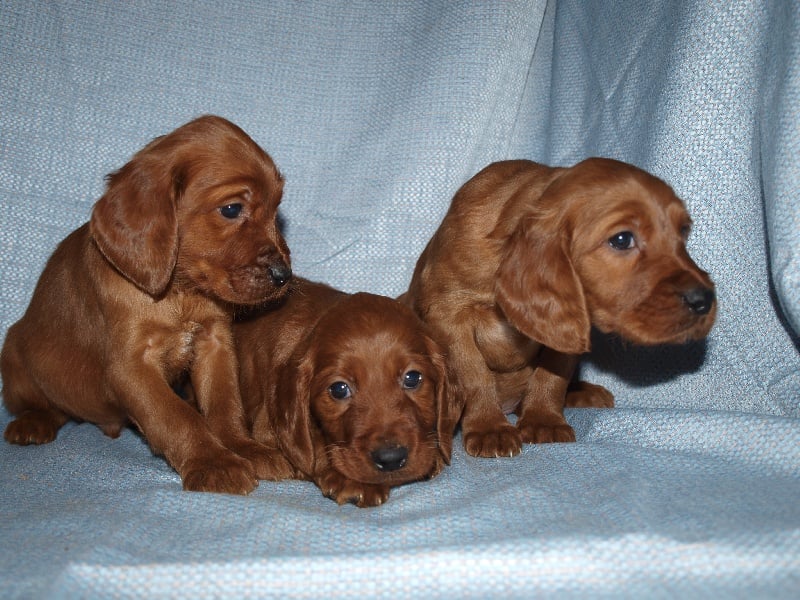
(292, 413)
(538, 290)
(448, 404)
(134, 224)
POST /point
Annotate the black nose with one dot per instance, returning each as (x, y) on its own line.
(699, 300)
(390, 458)
(280, 274)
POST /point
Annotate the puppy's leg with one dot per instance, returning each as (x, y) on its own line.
(277, 466)
(37, 420)
(485, 428)
(542, 411)
(215, 381)
(175, 429)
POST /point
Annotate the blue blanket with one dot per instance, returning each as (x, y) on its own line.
(376, 113)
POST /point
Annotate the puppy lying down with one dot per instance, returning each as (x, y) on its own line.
(350, 388)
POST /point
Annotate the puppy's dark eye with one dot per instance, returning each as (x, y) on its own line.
(685, 231)
(340, 391)
(624, 240)
(412, 380)
(231, 211)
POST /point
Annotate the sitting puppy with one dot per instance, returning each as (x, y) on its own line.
(350, 388)
(526, 260)
(143, 295)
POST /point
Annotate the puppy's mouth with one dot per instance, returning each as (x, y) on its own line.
(698, 329)
(257, 284)
(391, 464)
(649, 325)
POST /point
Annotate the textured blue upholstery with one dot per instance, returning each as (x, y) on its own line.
(376, 113)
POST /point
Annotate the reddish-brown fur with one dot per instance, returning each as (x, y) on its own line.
(290, 358)
(523, 265)
(144, 294)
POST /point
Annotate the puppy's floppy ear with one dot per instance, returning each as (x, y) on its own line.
(292, 413)
(448, 404)
(135, 225)
(537, 287)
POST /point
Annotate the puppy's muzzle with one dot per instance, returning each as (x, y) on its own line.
(389, 458)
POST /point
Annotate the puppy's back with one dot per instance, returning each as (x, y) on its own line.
(463, 255)
(55, 341)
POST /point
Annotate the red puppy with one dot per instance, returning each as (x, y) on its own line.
(143, 294)
(526, 260)
(350, 388)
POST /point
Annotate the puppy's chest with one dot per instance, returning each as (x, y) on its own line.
(184, 343)
(504, 349)
(183, 337)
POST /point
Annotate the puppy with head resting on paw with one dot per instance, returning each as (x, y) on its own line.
(144, 294)
(527, 259)
(350, 388)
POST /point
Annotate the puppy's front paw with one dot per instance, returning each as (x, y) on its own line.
(34, 427)
(269, 463)
(503, 441)
(225, 473)
(438, 466)
(535, 431)
(589, 395)
(342, 490)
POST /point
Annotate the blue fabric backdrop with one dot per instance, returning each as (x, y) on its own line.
(376, 113)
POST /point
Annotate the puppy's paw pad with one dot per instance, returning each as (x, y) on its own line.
(226, 474)
(34, 427)
(501, 443)
(544, 433)
(589, 395)
(342, 490)
(438, 466)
